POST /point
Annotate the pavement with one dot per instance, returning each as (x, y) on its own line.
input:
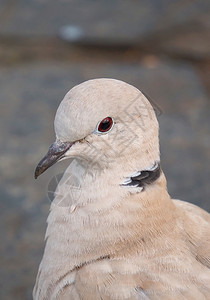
(46, 47)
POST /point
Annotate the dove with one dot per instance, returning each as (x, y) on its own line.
(113, 230)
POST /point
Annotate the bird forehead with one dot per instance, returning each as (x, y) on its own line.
(76, 118)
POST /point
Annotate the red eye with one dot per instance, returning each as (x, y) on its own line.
(105, 125)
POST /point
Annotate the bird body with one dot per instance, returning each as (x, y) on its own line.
(113, 230)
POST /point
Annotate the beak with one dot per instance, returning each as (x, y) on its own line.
(56, 152)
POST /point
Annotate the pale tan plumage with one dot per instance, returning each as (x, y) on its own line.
(108, 241)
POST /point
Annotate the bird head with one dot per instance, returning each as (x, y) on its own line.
(105, 123)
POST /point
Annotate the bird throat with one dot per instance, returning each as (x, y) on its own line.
(141, 179)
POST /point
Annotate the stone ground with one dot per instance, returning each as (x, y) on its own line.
(48, 46)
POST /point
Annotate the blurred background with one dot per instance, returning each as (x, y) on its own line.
(46, 47)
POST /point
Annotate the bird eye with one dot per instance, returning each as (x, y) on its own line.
(105, 125)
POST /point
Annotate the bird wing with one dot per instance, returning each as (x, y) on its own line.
(196, 223)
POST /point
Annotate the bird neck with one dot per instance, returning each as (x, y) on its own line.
(106, 217)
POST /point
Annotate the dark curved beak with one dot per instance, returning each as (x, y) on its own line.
(56, 152)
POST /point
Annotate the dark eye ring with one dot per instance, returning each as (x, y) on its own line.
(105, 125)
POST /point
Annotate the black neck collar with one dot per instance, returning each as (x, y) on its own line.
(145, 177)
